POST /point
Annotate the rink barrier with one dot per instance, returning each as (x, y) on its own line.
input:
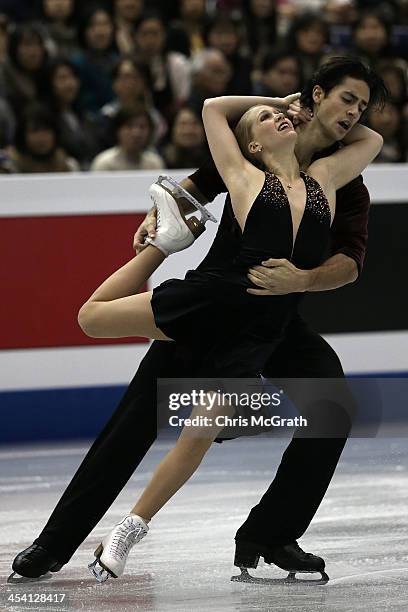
(62, 234)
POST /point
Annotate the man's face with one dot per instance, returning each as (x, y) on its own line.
(341, 108)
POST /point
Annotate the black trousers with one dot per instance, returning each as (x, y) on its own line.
(284, 511)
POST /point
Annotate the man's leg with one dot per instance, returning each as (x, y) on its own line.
(288, 506)
(112, 459)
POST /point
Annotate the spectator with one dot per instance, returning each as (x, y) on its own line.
(308, 39)
(130, 86)
(187, 147)
(340, 12)
(76, 134)
(261, 24)
(134, 132)
(211, 74)
(187, 33)
(4, 23)
(97, 58)
(7, 124)
(59, 18)
(17, 10)
(126, 16)
(169, 72)
(389, 123)
(394, 73)
(23, 73)
(224, 34)
(37, 145)
(279, 75)
(372, 37)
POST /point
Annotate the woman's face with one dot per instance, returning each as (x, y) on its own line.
(128, 83)
(311, 40)
(270, 129)
(188, 131)
(150, 37)
(58, 10)
(65, 85)
(30, 53)
(99, 33)
(371, 35)
(129, 10)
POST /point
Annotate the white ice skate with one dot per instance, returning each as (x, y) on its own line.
(111, 555)
(175, 232)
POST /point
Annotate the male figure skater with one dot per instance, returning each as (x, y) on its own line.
(288, 506)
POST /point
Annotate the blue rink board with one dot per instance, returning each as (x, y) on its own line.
(74, 413)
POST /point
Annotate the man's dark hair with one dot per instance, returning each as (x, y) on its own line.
(333, 73)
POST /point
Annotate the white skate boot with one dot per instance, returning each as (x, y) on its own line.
(111, 555)
(174, 231)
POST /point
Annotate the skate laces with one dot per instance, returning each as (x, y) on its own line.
(123, 540)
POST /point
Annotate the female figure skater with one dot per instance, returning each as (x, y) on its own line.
(280, 213)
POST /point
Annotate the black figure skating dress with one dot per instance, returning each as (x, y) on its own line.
(227, 331)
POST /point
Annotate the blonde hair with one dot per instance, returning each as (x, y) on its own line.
(244, 135)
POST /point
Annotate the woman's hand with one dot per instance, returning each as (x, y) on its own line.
(299, 114)
(288, 100)
(146, 228)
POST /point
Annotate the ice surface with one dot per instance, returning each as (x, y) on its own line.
(185, 562)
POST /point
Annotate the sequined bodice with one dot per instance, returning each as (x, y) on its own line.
(268, 233)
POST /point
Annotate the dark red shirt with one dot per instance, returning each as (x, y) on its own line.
(349, 230)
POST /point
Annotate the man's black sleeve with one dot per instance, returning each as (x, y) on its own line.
(349, 231)
(208, 180)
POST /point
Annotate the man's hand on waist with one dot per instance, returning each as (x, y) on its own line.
(278, 277)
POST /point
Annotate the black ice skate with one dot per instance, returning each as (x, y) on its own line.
(289, 557)
(32, 564)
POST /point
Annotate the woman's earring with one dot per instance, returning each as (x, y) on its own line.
(260, 148)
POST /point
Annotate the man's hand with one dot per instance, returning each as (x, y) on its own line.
(146, 228)
(278, 277)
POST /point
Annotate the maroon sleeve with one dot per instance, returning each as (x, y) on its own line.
(208, 180)
(349, 231)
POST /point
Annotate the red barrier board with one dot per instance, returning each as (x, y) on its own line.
(49, 267)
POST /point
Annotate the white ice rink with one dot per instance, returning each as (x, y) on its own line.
(186, 561)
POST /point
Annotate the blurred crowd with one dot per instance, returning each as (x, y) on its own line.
(119, 84)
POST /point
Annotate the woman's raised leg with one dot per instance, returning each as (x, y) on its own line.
(114, 311)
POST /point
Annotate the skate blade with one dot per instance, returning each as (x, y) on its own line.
(179, 191)
(291, 579)
(98, 572)
(15, 578)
